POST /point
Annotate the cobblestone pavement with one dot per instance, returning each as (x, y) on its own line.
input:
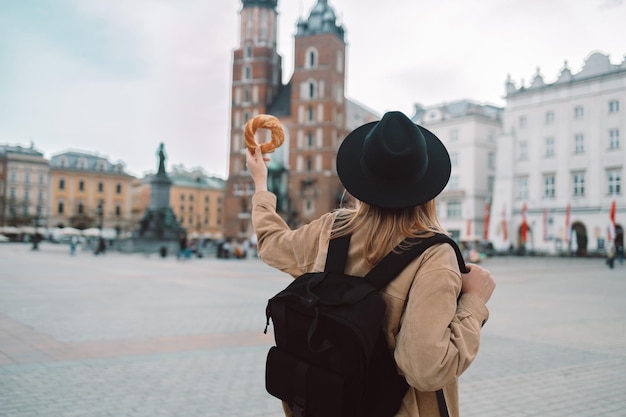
(129, 335)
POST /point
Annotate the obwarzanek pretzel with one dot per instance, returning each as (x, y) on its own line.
(265, 121)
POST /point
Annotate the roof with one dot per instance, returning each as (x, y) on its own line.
(596, 65)
(322, 19)
(84, 161)
(268, 4)
(459, 108)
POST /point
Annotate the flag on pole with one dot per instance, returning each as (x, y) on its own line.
(505, 234)
(545, 224)
(612, 223)
(486, 231)
(567, 231)
(524, 224)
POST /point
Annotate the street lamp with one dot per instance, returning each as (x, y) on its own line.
(36, 234)
(100, 248)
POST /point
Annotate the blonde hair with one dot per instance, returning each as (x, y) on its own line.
(385, 228)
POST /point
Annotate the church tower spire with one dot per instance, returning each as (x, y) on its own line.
(256, 80)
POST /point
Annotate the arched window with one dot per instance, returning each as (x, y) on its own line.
(311, 58)
(247, 72)
(312, 90)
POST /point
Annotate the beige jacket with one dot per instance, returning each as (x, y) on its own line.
(434, 338)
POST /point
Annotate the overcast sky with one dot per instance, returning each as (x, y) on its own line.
(117, 77)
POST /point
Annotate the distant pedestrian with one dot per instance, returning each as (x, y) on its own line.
(183, 247)
(610, 255)
(102, 246)
(73, 243)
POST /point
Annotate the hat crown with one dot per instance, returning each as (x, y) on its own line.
(394, 149)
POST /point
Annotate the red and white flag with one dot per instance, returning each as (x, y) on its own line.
(612, 223)
(567, 231)
(505, 234)
(486, 231)
(524, 224)
(545, 224)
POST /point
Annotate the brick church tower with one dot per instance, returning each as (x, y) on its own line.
(312, 108)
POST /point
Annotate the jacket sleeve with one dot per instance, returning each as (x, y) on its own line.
(292, 251)
(439, 333)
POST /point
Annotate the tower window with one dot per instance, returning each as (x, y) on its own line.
(311, 58)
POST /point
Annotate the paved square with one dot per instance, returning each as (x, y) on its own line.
(130, 335)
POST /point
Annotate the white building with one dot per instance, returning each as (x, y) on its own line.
(561, 161)
(469, 131)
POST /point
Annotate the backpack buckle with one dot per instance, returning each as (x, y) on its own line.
(310, 300)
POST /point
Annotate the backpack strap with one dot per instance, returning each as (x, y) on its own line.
(391, 265)
(337, 254)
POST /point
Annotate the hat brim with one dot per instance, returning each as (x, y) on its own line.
(392, 194)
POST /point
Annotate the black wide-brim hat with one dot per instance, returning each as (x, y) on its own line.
(393, 163)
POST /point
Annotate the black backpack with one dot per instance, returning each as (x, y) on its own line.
(331, 357)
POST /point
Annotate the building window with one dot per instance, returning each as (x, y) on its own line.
(42, 179)
(521, 188)
(118, 188)
(523, 150)
(61, 184)
(311, 90)
(311, 58)
(247, 73)
(453, 210)
(614, 139)
(578, 112)
(578, 184)
(454, 159)
(310, 140)
(523, 121)
(309, 164)
(118, 210)
(614, 106)
(549, 189)
(60, 207)
(491, 180)
(248, 53)
(310, 114)
(81, 185)
(579, 143)
(549, 117)
(549, 147)
(453, 183)
(100, 187)
(491, 160)
(27, 178)
(81, 208)
(614, 179)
